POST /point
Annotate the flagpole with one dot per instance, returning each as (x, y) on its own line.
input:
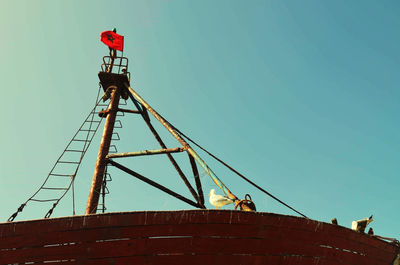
(113, 54)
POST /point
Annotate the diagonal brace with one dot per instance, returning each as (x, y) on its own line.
(170, 157)
(197, 178)
(133, 94)
(154, 184)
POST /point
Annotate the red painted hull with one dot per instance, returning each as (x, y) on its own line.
(189, 237)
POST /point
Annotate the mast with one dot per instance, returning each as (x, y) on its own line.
(115, 91)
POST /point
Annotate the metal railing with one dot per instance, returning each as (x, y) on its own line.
(118, 66)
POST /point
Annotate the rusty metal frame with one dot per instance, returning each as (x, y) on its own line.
(135, 96)
(114, 84)
(154, 184)
(146, 152)
(199, 198)
(196, 178)
(110, 61)
(170, 157)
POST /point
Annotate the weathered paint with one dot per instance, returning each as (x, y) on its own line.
(197, 179)
(189, 237)
(146, 152)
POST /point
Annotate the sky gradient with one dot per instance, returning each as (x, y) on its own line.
(300, 96)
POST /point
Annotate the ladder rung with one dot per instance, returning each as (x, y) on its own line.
(80, 140)
(113, 151)
(67, 162)
(85, 130)
(45, 188)
(118, 124)
(72, 150)
(92, 121)
(60, 175)
(49, 200)
(117, 138)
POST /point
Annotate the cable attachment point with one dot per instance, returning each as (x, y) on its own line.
(48, 214)
(246, 204)
(12, 217)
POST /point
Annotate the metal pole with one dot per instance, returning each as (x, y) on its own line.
(146, 152)
(196, 178)
(183, 142)
(113, 54)
(101, 162)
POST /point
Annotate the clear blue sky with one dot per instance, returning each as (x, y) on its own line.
(300, 96)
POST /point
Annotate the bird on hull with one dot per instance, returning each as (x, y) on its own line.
(219, 200)
(360, 225)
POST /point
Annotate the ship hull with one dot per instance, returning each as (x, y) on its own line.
(189, 237)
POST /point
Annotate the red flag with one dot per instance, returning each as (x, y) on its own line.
(112, 40)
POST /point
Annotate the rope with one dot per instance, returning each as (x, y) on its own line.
(73, 195)
(235, 171)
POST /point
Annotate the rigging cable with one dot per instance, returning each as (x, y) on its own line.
(235, 171)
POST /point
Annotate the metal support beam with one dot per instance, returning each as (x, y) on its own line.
(197, 179)
(147, 152)
(146, 118)
(183, 142)
(170, 157)
(154, 184)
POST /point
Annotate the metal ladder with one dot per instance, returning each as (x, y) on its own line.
(113, 149)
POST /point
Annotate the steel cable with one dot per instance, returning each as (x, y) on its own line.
(235, 171)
